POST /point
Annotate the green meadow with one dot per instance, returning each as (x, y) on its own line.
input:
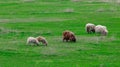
(20, 19)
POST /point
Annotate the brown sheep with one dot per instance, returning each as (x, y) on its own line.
(42, 39)
(69, 36)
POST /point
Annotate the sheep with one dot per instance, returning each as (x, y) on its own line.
(32, 40)
(102, 30)
(42, 39)
(90, 28)
(68, 36)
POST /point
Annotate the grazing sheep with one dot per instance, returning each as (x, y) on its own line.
(90, 28)
(69, 36)
(101, 30)
(32, 40)
(42, 39)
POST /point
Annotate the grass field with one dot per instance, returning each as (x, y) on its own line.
(20, 19)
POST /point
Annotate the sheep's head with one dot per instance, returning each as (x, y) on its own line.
(93, 30)
(104, 33)
(44, 42)
(72, 38)
(42, 39)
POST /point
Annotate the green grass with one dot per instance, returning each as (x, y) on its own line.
(20, 19)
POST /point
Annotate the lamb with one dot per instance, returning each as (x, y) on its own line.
(101, 30)
(90, 28)
(32, 40)
(42, 39)
(69, 36)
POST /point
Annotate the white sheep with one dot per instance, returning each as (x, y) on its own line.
(101, 30)
(90, 28)
(32, 40)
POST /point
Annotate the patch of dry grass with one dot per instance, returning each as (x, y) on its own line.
(34, 19)
(68, 10)
(105, 1)
(75, 0)
(3, 30)
(28, 0)
(96, 39)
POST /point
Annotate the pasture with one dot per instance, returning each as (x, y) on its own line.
(20, 19)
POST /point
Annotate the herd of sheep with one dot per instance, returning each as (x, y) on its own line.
(70, 36)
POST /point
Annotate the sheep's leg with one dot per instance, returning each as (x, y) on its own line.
(88, 30)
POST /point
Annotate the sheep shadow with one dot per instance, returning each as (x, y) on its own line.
(33, 45)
